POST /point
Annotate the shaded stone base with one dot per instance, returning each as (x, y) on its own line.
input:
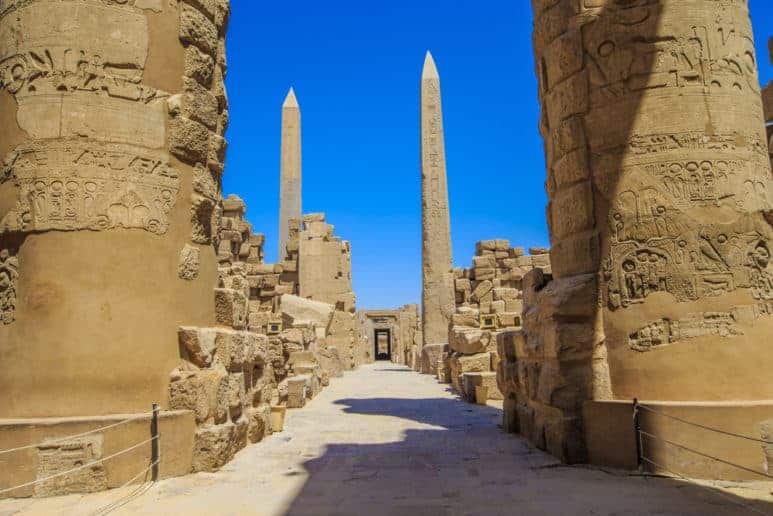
(610, 436)
(176, 430)
(429, 357)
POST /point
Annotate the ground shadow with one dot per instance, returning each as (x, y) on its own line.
(463, 464)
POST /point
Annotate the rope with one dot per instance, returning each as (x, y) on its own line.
(731, 434)
(720, 493)
(67, 438)
(107, 509)
(744, 468)
(84, 466)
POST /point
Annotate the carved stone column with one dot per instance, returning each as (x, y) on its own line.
(112, 114)
(658, 177)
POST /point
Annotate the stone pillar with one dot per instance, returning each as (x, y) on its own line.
(111, 123)
(438, 280)
(290, 164)
(658, 178)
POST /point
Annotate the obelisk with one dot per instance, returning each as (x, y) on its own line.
(437, 269)
(290, 169)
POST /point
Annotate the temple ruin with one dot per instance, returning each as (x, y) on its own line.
(135, 295)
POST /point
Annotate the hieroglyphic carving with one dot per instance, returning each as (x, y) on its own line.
(58, 457)
(720, 324)
(624, 56)
(73, 185)
(52, 71)
(9, 272)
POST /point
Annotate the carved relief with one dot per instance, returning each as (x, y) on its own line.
(624, 58)
(53, 71)
(188, 267)
(708, 261)
(59, 457)
(9, 272)
(71, 185)
(720, 324)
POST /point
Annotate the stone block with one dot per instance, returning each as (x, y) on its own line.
(469, 340)
(429, 357)
(197, 391)
(472, 380)
(299, 310)
(196, 29)
(482, 290)
(297, 391)
(231, 308)
(464, 316)
(188, 140)
(483, 274)
(259, 423)
(213, 447)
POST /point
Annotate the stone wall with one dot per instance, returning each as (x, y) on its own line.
(489, 300)
(404, 325)
(658, 179)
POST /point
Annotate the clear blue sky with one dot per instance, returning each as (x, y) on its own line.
(355, 66)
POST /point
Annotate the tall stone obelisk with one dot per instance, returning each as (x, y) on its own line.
(437, 269)
(290, 169)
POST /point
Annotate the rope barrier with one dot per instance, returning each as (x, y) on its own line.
(691, 450)
(721, 494)
(731, 434)
(75, 436)
(107, 509)
(84, 466)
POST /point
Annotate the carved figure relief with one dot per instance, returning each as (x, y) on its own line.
(9, 272)
(721, 324)
(69, 70)
(72, 185)
(706, 261)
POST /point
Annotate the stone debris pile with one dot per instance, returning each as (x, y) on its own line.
(489, 301)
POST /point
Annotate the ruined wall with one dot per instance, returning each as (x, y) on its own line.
(325, 264)
(404, 325)
(658, 175)
(112, 115)
(489, 300)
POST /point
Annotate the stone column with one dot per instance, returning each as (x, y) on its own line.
(290, 180)
(111, 122)
(437, 286)
(658, 178)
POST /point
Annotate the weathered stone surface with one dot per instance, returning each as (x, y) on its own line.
(429, 357)
(188, 266)
(231, 308)
(469, 340)
(59, 457)
(472, 380)
(198, 391)
(438, 279)
(298, 310)
(259, 423)
(297, 391)
(213, 447)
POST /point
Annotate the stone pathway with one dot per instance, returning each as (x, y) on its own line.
(387, 441)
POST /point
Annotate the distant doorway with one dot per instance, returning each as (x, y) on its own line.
(383, 340)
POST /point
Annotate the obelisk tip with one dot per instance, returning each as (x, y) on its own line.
(290, 101)
(430, 70)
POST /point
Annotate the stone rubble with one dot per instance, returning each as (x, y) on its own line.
(489, 302)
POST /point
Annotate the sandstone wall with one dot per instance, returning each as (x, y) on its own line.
(658, 177)
(404, 325)
(112, 115)
(489, 300)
